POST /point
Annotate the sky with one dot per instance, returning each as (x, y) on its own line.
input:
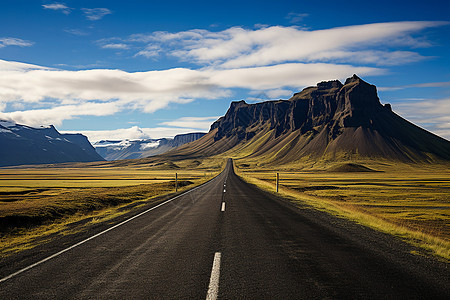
(149, 69)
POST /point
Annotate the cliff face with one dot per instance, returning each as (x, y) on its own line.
(330, 119)
(182, 139)
(331, 103)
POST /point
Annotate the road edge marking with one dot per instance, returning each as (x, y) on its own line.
(213, 289)
(98, 234)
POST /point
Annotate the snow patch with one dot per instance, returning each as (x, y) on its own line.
(114, 145)
(149, 145)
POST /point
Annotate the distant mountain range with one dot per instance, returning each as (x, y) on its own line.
(132, 149)
(24, 145)
(331, 121)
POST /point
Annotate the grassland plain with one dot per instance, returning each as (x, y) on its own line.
(406, 200)
(41, 202)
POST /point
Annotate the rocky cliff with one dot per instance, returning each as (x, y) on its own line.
(331, 120)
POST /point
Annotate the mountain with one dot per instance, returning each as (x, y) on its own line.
(131, 149)
(24, 145)
(331, 121)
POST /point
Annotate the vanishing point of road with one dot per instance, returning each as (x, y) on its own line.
(225, 239)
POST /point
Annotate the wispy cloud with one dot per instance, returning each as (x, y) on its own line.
(238, 47)
(417, 85)
(296, 17)
(94, 14)
(433, 114)
(58, 6)
(118, 46)
(9, 41)
(149, 51)
(201, 123)
(76, 32)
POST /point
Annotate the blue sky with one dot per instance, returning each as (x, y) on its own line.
(139, 69)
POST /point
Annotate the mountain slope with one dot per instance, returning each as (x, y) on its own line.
(21, 145)
(329, 121)
(132, 149)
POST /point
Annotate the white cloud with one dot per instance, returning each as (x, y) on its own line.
(133, 133)
(201, 123)
(149, 51)
(58, 6)
(94, 14)
(417, 85)
(433, 114)
(295, 75)
(14, 42)
(117, 46)
(14, 66)
(55, 115)
(67, 93)
(238, 47)
(58, 95)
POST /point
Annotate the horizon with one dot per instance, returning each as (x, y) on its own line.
(110, 70)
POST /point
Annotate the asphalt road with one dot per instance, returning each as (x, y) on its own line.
(231, 240)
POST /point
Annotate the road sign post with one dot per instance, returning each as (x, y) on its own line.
(176, 182)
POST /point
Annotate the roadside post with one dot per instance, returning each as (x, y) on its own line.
(176, 182)
(278, 180)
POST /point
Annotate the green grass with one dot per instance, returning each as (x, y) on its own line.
(409, 201)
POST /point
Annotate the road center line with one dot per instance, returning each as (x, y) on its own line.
(223, 206)
(96, 235)
(213, 290)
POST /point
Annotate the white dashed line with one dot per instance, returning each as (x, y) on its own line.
(213, 290)
(223, 206)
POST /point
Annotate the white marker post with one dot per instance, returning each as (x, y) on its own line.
(278, 180)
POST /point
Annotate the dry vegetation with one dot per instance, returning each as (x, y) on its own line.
(38, 203)
(409, 201)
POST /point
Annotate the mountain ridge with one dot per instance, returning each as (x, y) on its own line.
(134, 149)
(332, 121)
(25, 145)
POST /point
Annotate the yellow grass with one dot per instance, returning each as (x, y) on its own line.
(409, 201)
(37, 204)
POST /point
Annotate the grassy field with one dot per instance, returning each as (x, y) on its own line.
(409, 201)
(38, 203)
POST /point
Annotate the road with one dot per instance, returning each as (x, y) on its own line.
(226, 239)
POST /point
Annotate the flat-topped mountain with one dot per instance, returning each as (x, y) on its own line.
(24, 145)
(331, 120)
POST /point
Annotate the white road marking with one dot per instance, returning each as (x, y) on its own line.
(213, 290)
(94, 236)
(223, 206)
(224, 190)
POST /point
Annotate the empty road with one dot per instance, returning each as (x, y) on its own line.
(227, 240)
